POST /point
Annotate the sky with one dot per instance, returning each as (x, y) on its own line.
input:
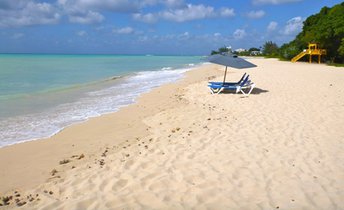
(157, 27)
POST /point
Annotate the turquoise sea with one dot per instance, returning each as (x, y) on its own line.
(42, 94)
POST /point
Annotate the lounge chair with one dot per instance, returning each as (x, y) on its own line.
(245, 84)
(217, 85)
(230, 83)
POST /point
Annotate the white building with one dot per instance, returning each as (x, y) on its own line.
(239, 50)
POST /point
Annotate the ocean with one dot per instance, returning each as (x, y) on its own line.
(42, 94)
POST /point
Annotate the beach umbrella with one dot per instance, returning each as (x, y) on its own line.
(230, 60)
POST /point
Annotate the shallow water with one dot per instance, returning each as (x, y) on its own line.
(42, 94)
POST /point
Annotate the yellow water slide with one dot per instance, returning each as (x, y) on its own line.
(312, 50)
(300, 55)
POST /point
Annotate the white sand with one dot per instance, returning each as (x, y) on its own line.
(280, 148)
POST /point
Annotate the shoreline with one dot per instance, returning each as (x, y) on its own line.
(63, 136)
(179, 147)
(79, 101)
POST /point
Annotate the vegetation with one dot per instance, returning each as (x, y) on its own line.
(253, 51)
(336, 64)
(325, 28)
(270, 49)
(221, 50)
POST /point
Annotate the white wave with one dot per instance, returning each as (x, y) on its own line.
(92, 104)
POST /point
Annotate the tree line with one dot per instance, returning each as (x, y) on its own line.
(251, 52)
(325, 28)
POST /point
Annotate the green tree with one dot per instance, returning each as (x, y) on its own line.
(213, 52)
(270, 49)
(341, 48)
(288, 51)
(244, 53)
(253, 49)
(221, 50)
(325, 28)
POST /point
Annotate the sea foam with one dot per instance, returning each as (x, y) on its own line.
(110, 99)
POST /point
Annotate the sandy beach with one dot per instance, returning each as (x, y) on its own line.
(179, 147)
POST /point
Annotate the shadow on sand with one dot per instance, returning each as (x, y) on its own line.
(255, 91)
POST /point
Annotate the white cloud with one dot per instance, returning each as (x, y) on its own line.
(293, 26)
(81, 33)
(88, 17)
(273, 1)
(17, 36)
(89, 11)
(125, 30)
(95, 5)
(147, 18)
(149, 2)
(27, 13)
(184, 36)
(10, 4)
(191, 12)
(272, 26)
(217, 34)
(167, 3)
(227, 12)
(187, 13)
(143, 39)
(239, 34)
(256, 14)
(174, 3)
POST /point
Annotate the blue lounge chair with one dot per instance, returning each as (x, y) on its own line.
(245, 84)
(229, 83)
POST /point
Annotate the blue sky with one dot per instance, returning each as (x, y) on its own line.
(178, 27)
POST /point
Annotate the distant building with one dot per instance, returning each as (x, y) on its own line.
(240, 50)
(256, 53)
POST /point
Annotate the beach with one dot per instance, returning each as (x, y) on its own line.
(41, 94)
(180, 147)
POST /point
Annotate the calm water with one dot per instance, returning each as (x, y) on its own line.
(42, 94)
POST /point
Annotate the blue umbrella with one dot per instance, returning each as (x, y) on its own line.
(231, 61)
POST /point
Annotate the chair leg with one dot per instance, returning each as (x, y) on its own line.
(252, 86)
(249, 92)
(211, 91)
(221, 89)
(215, 91)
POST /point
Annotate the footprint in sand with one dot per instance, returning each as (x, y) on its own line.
(119, 184)
(129, 164)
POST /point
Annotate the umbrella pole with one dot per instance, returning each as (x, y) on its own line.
(224, 78)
